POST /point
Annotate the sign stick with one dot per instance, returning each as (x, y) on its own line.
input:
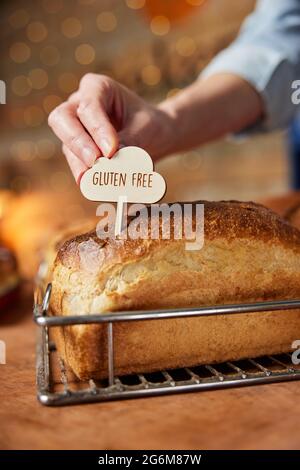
(119, 215)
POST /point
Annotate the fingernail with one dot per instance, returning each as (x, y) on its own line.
(89, 156)
(106, 147)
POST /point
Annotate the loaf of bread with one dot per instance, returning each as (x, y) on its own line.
(249, 254)
(57, 240)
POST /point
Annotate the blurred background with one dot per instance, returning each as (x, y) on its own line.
(155, 47)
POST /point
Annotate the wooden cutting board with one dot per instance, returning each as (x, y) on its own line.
(259, 417)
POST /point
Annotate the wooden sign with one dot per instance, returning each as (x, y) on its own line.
(128, 176)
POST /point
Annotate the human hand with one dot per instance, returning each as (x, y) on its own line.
(102, 116)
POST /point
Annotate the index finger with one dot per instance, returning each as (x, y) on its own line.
(97, 100)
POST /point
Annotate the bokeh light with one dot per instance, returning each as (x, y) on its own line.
(21, 85)
(193, 160)
(19, 18)
(185, 46)
(36, 31)
(71, 27)
(38, 78)
(85, 54)
(34, 116)
(175, 11)
(135, 4)
(68, 82)
(45, 149)
(106, 21)
(19, 52)
(151, 75)
(160, 25)
(50, 55)
(50, 102)
(24, 150)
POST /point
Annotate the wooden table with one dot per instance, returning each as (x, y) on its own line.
(265, 416)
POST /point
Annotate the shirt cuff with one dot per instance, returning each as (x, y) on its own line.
(269, 72)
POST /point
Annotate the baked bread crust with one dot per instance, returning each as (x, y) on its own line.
(249, 254)
(58, 239)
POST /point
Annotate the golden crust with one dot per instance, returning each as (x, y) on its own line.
(249, 254)
(147, 346)
(59, 238)
(225, 219)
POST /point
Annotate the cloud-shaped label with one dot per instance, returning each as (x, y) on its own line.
(128, 173)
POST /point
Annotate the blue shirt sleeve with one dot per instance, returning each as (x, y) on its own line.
(266, 53)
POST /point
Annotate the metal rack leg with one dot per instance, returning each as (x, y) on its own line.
(110, 347)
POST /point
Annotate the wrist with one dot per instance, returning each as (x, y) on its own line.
(167, 124)
(180, 112)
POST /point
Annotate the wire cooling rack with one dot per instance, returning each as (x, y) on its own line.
(57, 386)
